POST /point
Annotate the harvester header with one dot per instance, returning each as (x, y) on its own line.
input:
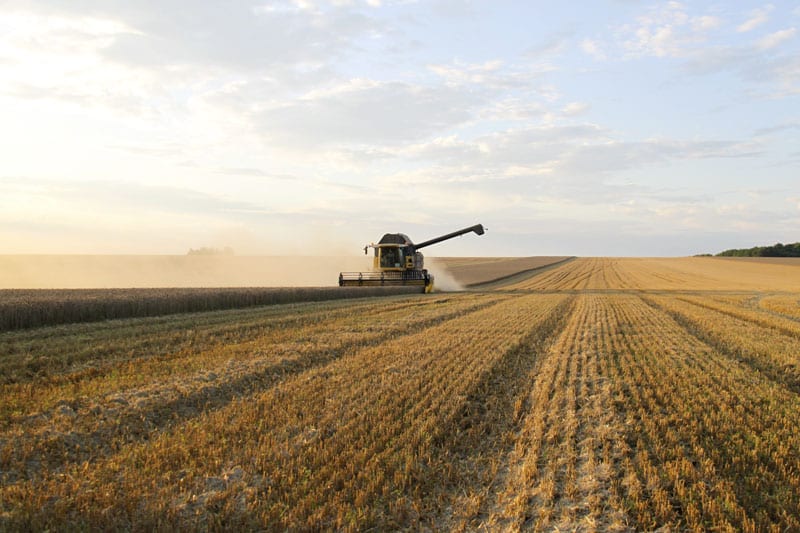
(398, 262)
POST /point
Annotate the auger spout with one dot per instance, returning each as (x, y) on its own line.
(477, 228)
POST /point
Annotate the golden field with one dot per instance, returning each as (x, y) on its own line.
(597, 394)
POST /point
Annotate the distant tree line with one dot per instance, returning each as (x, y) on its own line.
(776, 250)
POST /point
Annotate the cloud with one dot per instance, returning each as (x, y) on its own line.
(716, 59)
(593, 48)
(135, 197)
(254, 173)
(442, 150)
(57, 57)
(705, 23)
(670, 31)
(228, 35)
(575, 108)
(549, 160)
(552, 45)
(757, 18)
(514, 108)
(774, 39)
(705, 44)
(492, 75)
(365, 112)
(458, 74)
(787, 126)
(665, 31)
(781, 72)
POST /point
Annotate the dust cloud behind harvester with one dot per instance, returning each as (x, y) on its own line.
(120, 271)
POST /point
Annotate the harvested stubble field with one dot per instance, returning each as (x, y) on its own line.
(472, 271)
(599, 394)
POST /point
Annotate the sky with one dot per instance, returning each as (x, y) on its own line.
(312, 127)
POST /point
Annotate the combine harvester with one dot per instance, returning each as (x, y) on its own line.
(397, 262)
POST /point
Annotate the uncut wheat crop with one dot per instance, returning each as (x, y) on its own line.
(597, 394)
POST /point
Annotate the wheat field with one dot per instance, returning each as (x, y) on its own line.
(600, 394)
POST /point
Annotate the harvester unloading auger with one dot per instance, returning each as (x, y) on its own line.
(398, 262)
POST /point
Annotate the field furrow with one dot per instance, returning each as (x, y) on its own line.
(766, 349)
(561, 466)
(488, 423)
(784, 304)
(760, 317)
(58, 352)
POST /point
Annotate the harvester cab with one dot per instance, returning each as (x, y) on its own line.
(397, 261)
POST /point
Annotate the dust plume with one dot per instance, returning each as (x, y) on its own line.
(134, 271)
(443, 280)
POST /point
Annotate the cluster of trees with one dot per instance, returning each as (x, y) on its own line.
(776, 250)
(211, 251)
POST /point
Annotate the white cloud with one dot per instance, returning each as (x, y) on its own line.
(581, 155)
(459, 74)
(705, 23)
(757, 18)
(782, 74)
(369, 113)
(513, 108)
(61, 57)
(593, 48)
(575, 108)
(232, 35)
(778, 128)
(774, 39)
(304, 4)
(666, 31)
(704, 43)
(552, 45)
(447, 150)
(491, 75)
(717, 58)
